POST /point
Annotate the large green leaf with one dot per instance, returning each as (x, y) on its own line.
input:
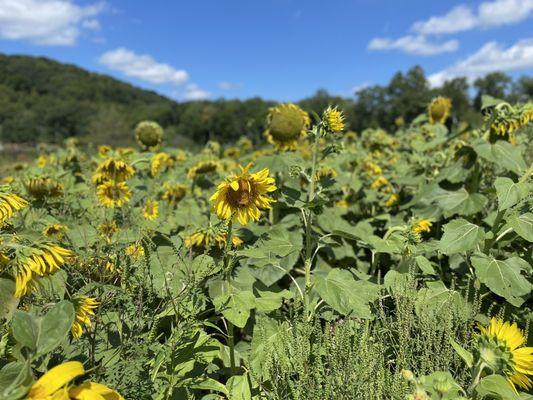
(235, 306)
(239, 388)
(460, 236)
(503, 277)
(55, 326)
(501, 153)
(25, 329)
(15, 380)
(8, 301)
(348, 296)
(461, 202)
(522, 225)
(496, 387)
(509, 193)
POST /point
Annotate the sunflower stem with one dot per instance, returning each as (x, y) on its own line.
(227, 272)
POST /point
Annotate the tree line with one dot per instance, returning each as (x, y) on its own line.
(42, 100)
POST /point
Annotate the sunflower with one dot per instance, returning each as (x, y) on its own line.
(423, 225)
(41, 260)
(41, 188)
(333, 120)
(286, 124)
(104, 150)
(160, 161)
(232, 152)
(245, 143)
(202, 167)
(107, 230)
(53, 385)
(54, 230)
(379, 183)
(113, 194)
(439, 110)
(9, 203)
(206, 237)
(372, 168)
(500, 346)
(113, 169)
(135, 251)
(149, 134)
(350, 136)
(392, 200)
(342, 203)
(241, 196)
(174, 192)
(151, 210)
(84, 307)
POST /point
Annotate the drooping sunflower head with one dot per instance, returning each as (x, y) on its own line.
(113, 194)
(232, 152)
(392, 200)
(204, 238)
(372, 168)
(44, 188)
(149, 134)
(113, 169)
(379, 183)
(245, 143)
(107, 230)
(160, 161)
(439, 110)
(151, 210)
(422, 225)
(9, 204)
(54, 230)
(500, 347)
(84, 307)
(333, 120)
(104, 150)
(286, 124)
(174, 193)
(241, 196)
(202, 167)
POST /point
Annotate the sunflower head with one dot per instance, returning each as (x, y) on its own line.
(232, 152)
(113, 194)
(104, 150)
(204, 238)
(245, 143)
(500, 348)
(9, 204)
(149, 134)
(84, 307)
(202, 167)
(114, 169)
(422, 225)
(241, 196)
(333, 120)
(54, 230)
(286, 124)
(41, 188)
(379, 182)
(160, 161)
(151, 210)
(174, 193)
(392, 200)
(439, 110)
(107, 230)
(135, 251)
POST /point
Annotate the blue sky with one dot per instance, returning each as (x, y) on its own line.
(277, 49)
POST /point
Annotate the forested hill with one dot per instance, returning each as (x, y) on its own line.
(42, 100)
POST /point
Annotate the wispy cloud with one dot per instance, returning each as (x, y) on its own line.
(488, 14)
(225, 85)
(489, 58)
(418, 45)
(143, 67)
(194, 92)
(47, 22)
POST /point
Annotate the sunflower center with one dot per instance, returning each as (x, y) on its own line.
(243, 196)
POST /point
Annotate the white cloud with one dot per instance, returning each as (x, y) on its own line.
(225, 85)
(91, 24)
(488, 14)
(359, 87)
(143, 67)
(193, 92)
(46, 22)
(489, 58)
(418, 45)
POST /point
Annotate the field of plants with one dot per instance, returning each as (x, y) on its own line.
(318, 264)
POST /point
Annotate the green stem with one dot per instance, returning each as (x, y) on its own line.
(227, 271)
(495, 227)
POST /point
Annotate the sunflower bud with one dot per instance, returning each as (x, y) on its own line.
(149, 134)
(333, 120)
(286, 124)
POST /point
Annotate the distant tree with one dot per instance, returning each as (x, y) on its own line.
(522, 90)
(495, 84)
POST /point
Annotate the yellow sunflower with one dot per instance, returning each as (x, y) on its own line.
(160, 161)
(241, 196)
(174, 192)
(202, 167)
(206, 237)
(501, 348)
(113, 194)
(333, 120)
(41, 260)
(54, 230)
(379, 183)
(54, 385)
(151, 210)
(423, 225)
(113, 169)
(372, 168)
(9, 203)
(286, 125)
(232, 152)
(107, 230)
(41, 188)
(104, 150)
(84, 307)
(439, 110)
(135, 251)
(392, 200)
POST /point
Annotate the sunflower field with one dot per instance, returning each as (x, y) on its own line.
(319, 264)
